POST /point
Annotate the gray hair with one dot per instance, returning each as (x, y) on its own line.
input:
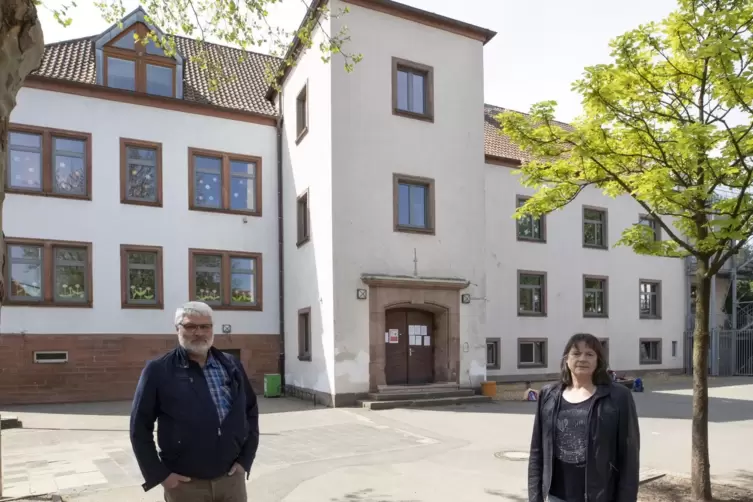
(192, 308)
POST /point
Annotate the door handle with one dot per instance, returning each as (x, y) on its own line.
(410, 351)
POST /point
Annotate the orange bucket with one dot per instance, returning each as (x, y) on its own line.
(489, 389)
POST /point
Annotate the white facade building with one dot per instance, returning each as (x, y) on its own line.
(354, 231)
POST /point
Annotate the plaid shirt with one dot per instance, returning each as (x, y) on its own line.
(219, 386)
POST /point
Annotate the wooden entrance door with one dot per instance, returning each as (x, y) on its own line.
(409, 347)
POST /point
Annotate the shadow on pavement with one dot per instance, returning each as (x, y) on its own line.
(123, 408)
(367, 495)
(505, 495)
(650, 404)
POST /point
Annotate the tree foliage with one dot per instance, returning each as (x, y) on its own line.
(669, 122)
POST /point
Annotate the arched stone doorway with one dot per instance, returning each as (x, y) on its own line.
(397, 303)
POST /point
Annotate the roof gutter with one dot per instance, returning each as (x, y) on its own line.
(295, 46)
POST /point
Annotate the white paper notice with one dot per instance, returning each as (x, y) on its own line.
(386, 337)
(411, 330)
(423, 330)
(427, 341)
(394, 336)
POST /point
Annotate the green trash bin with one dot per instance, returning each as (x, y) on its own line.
(272, 385)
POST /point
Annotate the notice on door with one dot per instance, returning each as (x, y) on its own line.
(394, 336)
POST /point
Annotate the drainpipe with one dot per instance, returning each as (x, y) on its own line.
(281, 250)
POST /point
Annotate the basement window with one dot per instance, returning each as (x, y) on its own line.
(51, 357)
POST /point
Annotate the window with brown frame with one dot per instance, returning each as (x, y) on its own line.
(532, 352)
(304, 334)
(412, 90)
(530, 228)
(226, 280)
(224, 182)
(51, 162)
(132, 66)
(141, 277)
(48, 273)
(532, 293)
(651, 222)
(302, 210)
(595, 233)
(650, 351)
(649, 299)
(595, 296)
(302, 114)
(413, 204)
(140, 172)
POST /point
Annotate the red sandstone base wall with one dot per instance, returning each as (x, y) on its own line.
(106, 367)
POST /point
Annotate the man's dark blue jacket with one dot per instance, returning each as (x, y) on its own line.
(173, 392)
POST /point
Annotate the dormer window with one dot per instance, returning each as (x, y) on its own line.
(125, 62)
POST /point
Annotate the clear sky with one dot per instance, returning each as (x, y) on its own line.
(541, 46)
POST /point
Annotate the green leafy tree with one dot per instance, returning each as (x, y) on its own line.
(669, 123)
(243, 23)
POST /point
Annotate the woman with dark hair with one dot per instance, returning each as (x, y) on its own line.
(586, 443)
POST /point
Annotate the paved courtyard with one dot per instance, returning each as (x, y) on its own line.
(473, 452)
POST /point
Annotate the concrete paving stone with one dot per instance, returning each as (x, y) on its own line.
(114, 474)
(42, 484)
(75, 480)
(16, 490)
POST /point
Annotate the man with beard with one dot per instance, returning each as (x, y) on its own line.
(206, 414)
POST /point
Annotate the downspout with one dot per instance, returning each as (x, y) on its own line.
(281, 250)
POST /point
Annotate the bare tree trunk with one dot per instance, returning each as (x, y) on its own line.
(700, 465)
(21, 48)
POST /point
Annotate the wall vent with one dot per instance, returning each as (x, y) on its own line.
(51, 357)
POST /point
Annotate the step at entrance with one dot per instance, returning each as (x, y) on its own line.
(390, 397)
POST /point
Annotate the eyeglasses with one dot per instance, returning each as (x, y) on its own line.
(193, 328)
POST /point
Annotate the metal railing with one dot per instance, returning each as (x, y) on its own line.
(730, 352)
(744, 316)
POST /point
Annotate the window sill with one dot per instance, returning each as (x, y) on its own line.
(493, 367)
(302, 242)
(253, 308)
(17, 303)
(595, 246)
(412, 115)
(157, 203)
(595, 316)
(531, 314)
(649, 362)
(650, 317)
(411, 230)
(305, 358)
(527, 239)
(237, 212)
(302, 135)
(48, 194)
(144, 306)
(523, 366)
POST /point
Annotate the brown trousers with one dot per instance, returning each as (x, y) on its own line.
(222, 489)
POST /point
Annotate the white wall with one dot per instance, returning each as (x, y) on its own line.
(308, 269)
(107, 223)
(370, 144)
(566, 261)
